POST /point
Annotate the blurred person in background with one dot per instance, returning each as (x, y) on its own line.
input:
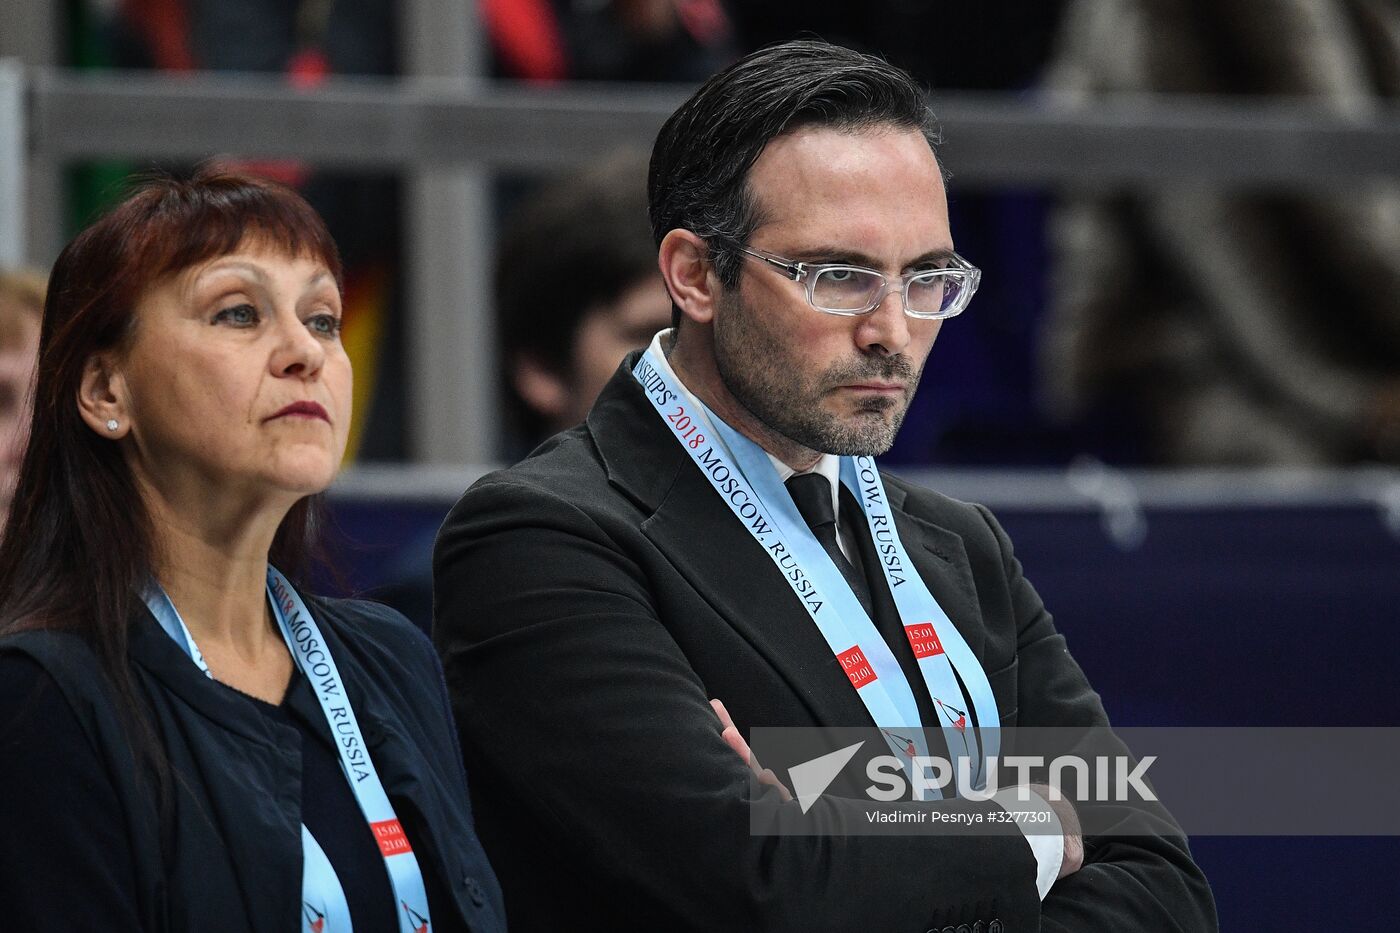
(21, 308)
(1233, 327)
(187, 741)
(576, 288)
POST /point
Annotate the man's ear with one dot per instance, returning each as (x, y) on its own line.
(102, 397)
(543, 389)
(685, 265)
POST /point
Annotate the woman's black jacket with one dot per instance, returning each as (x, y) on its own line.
(86, 846)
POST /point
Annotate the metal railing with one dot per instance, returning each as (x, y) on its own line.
(409, 123)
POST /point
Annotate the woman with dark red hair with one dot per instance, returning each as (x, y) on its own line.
(188, 741)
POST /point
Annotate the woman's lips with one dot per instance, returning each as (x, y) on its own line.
(303, 410)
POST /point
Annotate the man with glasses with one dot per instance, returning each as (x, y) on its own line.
(717, 530)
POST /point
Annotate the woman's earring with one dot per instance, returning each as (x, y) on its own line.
(112, 424)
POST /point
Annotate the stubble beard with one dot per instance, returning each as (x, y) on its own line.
(767, 381)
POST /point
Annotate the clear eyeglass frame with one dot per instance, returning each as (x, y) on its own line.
(960, 271)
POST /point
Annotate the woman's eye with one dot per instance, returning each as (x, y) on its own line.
(244, 315)
(324, 325)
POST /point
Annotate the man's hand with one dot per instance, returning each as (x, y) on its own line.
(734, 740)
(1073, 858)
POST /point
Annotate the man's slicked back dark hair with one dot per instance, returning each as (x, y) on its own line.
(700, 163)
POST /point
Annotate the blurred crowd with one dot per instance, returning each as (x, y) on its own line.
(1182, 325)
(1232, 327)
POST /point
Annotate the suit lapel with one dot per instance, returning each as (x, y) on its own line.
(732, 572)
(941, 561)
(689, 523)
(710, 548)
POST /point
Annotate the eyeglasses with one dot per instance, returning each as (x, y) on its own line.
(837, 288)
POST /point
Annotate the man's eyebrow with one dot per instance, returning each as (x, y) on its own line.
(933, 255)
(836, 254)
(819, 254)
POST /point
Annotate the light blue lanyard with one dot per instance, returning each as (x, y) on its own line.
(324, 907)
(937, 644)
(745, 479)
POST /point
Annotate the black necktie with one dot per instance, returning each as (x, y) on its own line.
(812, 494)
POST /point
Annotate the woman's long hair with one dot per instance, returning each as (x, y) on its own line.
(78, 547)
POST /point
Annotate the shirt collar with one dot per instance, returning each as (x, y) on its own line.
(829, 465)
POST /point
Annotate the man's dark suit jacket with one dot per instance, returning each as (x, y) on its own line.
(588, 603)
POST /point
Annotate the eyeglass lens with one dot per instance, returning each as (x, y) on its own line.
(855, 290)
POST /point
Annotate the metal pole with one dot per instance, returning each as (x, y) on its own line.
(12, 160)
(29, 34)
(452, 393)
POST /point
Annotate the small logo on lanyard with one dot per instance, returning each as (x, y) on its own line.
(856, 667)
(907, 744)
(960, 723)
(415, 919)
(315, 919)
(960, 726)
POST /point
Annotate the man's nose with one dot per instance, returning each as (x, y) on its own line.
(886, 329)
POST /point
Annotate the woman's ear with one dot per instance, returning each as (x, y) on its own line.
(684, 258)
(102, 397)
